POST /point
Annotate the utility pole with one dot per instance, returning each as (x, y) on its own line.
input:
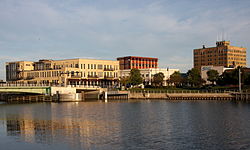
(239, 81)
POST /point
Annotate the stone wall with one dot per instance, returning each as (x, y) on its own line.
(169, 95)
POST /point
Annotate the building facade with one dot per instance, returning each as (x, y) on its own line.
(205, 69)
(15, 70)
(64, 72)
(130, 62)
(222, 55)
(148, 74)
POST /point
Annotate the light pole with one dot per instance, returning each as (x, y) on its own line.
(239, 81)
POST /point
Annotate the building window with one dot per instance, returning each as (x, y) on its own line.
(99, 66)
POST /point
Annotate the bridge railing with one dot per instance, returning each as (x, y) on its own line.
(46, 85)
(23, 85)
(84, 86)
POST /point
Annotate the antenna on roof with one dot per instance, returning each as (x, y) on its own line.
(226, 36)
(223, 35)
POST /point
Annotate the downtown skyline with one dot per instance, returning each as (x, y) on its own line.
(168, 30)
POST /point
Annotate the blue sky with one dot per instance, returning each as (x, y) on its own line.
(106, 29)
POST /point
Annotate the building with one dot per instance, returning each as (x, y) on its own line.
(130, 62)
(64, 72)
(222, 55)
(205, 69)
(148, 74)
(15, 70)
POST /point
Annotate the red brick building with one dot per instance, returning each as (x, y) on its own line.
(130, 62)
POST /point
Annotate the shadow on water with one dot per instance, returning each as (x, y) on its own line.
(133, 124)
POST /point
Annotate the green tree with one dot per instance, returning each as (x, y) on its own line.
(124, 81)
(158, 79)
(135, 77)
(176, 78)
(231, 77)
(212, 76)
(194, 77)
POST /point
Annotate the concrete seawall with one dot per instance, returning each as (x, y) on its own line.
(184, 96)
(124, 95)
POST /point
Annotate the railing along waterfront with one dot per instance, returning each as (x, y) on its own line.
(184, 94)
(188, 91)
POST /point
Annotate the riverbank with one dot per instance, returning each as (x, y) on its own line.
(183, 96)
(126, 95)
(191, 95)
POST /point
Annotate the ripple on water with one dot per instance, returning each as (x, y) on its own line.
(126, 125)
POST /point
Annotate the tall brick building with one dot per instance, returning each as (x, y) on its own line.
(130, 62)
(223, 54)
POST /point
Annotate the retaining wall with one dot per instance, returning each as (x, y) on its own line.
(179, 95)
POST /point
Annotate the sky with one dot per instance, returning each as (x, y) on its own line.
(106, 29)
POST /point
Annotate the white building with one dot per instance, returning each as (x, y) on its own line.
(148, 74)
(205, 69)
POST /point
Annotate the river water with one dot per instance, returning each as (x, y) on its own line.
(125, 125)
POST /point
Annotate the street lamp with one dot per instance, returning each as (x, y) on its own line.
(239, 81)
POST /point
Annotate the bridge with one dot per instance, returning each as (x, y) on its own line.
(45, 89)
(22, 89)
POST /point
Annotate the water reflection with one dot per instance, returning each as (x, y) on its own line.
(41, 131)
(77, 131)
(136, 125)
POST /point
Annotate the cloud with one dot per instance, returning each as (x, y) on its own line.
(169, 30)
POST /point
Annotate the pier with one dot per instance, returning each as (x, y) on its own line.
(117, 95)
(26, 98)
(245, 96)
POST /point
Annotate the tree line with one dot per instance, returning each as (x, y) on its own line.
(191, 79)
(135, 79)
(227, 78)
